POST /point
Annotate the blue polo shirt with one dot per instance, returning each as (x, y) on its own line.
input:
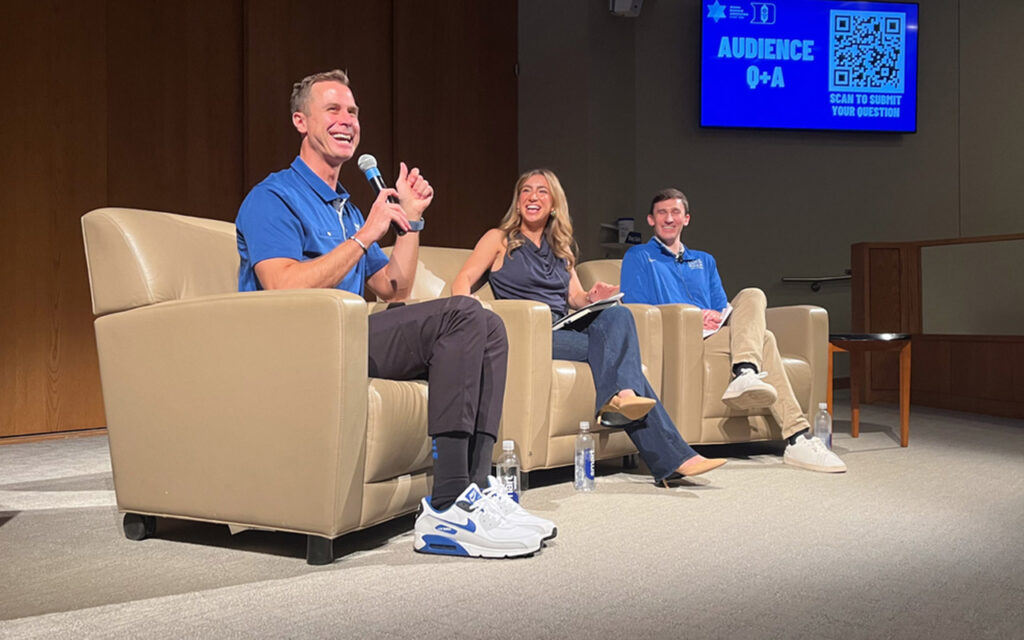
(651, 274)
(294, 214)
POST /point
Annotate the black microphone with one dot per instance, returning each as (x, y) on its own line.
(368, 165)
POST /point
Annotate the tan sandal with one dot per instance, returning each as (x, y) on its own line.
(632, 409)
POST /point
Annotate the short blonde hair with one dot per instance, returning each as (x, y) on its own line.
(302, 88)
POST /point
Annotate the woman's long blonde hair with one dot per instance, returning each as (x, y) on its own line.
(559, 226)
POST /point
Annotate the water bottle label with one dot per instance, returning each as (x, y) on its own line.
(588, 463)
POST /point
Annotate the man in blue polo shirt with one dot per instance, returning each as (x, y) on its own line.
(298, 229)
(664, 271)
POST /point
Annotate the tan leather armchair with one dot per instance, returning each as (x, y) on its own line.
(695, 378)
(545, 399)
(248, 409)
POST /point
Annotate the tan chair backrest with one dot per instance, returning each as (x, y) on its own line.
(436, 270)
(137, 257)
(594, 271)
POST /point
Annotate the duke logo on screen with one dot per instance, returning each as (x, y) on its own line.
(764, 13)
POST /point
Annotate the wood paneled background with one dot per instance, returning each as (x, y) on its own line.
(182, 106)
(975, 373)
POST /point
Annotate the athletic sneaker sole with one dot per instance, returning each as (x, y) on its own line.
(751, 399)
(445, 546)
(813, 467)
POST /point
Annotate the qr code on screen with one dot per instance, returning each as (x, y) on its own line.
(867, 51)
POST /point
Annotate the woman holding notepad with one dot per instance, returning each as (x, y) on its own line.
(531, 256)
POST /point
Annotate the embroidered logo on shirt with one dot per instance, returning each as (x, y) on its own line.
(695, 264)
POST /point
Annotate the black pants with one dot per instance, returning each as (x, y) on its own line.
(458, 347)
(462, 351)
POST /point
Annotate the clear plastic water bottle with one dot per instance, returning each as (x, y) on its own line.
(823, 425)
(507, 469)
(584, 459)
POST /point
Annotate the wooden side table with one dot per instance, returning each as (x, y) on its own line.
(856, 344)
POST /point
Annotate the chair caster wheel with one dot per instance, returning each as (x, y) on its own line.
(139, 527)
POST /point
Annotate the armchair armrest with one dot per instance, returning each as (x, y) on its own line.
(649, 335)
(253, 400)
(528, 385)
(801, 331)
(683, 367)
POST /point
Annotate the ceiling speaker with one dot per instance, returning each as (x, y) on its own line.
(625, 8)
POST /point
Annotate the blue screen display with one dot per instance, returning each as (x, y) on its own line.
(809, 64)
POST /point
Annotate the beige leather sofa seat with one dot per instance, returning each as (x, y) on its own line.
(248, 409)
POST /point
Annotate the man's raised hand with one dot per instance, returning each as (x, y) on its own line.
(414, 192)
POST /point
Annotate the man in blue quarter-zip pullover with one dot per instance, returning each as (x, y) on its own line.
(664, 271)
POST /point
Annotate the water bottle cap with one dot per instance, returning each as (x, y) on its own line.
(584, 426)
(823, 405)
(508, 445)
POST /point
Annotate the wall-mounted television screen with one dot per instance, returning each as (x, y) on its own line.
(809, 64)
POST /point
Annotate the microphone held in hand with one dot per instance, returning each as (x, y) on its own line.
(368, 165)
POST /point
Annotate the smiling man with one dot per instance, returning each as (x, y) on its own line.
(298, 229)
(664, 271)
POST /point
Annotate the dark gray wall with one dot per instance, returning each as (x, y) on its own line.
(577, 113)
(611, 105)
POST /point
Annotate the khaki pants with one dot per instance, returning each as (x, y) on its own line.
(750, 341)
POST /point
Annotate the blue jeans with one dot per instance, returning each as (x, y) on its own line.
(610, 346)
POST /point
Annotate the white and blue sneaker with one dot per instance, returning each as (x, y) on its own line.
(515, 513)
(473, 526)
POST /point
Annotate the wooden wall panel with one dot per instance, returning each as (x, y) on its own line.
(455, 110)
(182, 106)
(980, 374)
(975, 373)
(1016, 355)
(53, 163)
(175, 106)
(885, 313)
(884, 298)
(980, 369)
(930, 365)
(286, 41)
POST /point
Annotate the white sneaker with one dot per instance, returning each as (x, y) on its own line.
(749, 391)
(473, 526)
(515, 513)
(811, 453)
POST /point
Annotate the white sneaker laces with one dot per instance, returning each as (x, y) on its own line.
(489, 511)
(818, 446)
(504, 501)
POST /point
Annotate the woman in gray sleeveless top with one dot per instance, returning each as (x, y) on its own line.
(531, 256)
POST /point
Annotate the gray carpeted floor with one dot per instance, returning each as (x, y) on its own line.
(922, 542)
